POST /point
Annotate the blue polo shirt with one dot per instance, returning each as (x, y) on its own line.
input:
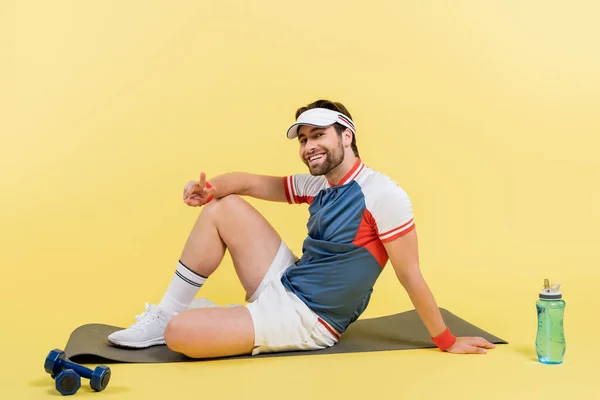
(343, 254)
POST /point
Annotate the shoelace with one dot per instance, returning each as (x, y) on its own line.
(145, 318)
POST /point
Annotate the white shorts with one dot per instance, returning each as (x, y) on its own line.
(282, 322)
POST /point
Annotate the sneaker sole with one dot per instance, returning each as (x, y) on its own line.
(138, 345)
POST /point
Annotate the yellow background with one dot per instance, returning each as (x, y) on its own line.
(487, 113)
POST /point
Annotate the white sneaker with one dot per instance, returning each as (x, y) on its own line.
(147, 331)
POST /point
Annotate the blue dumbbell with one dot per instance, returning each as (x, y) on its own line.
(68, 382)
(57, 362)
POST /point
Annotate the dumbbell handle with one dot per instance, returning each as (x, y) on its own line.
(80, 369)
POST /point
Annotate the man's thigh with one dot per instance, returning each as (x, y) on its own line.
(251, 241)
(211, 332)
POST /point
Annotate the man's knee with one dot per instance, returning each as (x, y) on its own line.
(177, 335)
(217, 205)
(173, 334)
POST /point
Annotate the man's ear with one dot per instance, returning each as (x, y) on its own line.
(348, 136)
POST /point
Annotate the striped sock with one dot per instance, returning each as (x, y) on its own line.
(182, 290)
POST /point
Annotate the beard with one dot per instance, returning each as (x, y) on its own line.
(333, 158)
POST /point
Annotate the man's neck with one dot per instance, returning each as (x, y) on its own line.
(335, 176)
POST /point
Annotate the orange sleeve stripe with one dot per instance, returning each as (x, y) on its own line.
(410, 221)
(400, 232)
(285, 186)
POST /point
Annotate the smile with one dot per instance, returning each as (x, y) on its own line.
(316, 157)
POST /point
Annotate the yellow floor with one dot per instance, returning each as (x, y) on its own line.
(507, 372)
(485, 112)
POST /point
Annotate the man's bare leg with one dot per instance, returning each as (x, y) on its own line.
(228, 223)
(211, 332)
(232, 223)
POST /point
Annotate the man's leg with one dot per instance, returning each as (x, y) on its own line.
(231, 223)
(228, 223)
(211, 332)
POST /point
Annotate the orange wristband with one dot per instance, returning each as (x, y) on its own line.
(208, 186)
(445, 340)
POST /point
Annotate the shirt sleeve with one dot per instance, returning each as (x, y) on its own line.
(393, 213)
(302, 188)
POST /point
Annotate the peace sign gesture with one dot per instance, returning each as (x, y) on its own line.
(197, 193)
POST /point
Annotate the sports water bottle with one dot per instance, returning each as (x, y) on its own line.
(550, 341)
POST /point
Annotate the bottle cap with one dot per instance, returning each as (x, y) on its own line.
(551, 292)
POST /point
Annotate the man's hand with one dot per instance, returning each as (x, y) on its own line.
(470, 345)
(196, 193)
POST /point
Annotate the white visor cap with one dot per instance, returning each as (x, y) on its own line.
(320, 117)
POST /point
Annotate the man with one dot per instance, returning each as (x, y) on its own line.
(359, 219)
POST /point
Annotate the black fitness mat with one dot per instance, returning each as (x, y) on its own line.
(403, 331)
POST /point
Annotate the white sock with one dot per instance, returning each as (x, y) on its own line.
(182, 290)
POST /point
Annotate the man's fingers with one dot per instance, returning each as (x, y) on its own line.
(197, 191)
(196, 199)
(481, 342)
(195, 187)
(488, 345)
(193, 202)
(189, 189)
(468, 349)
(471, 345)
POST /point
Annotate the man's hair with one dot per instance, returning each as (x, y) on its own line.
(335, 106)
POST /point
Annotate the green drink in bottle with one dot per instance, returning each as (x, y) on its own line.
(550, 340)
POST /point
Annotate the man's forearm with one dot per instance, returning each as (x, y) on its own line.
(230, 183)
(425, 305)
(246, 184)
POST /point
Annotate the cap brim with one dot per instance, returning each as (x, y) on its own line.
(318, 117)
(292, 133)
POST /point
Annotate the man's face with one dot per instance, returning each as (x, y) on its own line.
(321, 149)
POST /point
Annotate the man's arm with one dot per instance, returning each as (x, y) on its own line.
(198, 193)
(404, 256)
(262, 187)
